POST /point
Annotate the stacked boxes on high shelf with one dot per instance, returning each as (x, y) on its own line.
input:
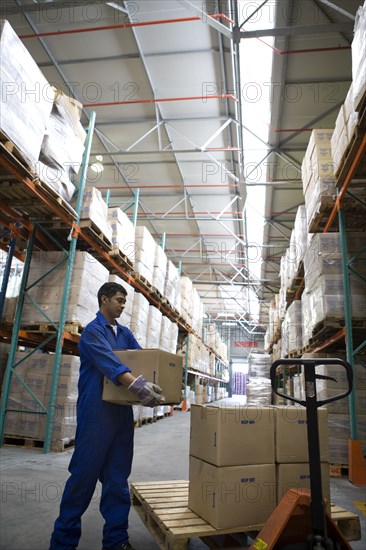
(160, 269)
(88, 275)
(318, 176)
(123, 232)
(359, 57)
(94, 211)
(42, 123)
(144, 253)
(323, 296)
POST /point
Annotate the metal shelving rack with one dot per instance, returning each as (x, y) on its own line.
(29, 236)
(58, 334)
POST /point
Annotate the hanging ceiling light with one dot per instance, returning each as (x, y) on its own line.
(97, 166)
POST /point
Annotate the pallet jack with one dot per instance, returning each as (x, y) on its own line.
(300, 520)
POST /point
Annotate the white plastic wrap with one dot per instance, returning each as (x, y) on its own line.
(63, 146)
(159, 271)
(154, 321)
(123, 232)
(165, 333)
(359, 56)
(26, 96)
(127, 312)
(144, 252)
(171, 283)
(95, 209)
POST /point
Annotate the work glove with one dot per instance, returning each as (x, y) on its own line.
(148, 393)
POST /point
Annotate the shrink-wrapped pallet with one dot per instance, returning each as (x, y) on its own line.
(62, 147)
(291, 334)
(144, 253)
(165, 334)
(258, 389)
(125, 318)
(123, 232)
(95, 211)
(318, 175)
(197, 312)
(153, 327)
(26, 96)
(139, 318)
(88, 275)
(159, 270)
(186, 286)
(171, 283)
(36, 371)
(359, 56)
(174, 338)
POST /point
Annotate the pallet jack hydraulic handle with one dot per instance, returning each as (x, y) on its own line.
(318, 517)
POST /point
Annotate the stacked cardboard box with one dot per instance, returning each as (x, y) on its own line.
(144, 253)
(26, 98)
(292, 456)
(63, 146)
(139, 318)
(36, 371)
(318, 174)
(88, 275)
(159, 271)
(123, 232)
(165, 333)
(95, 210)
(232, 478)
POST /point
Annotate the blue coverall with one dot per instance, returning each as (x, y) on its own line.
(103, 441)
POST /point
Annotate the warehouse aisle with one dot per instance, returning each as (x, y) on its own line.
(32, 484)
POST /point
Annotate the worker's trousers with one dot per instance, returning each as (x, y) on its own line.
(103, 450)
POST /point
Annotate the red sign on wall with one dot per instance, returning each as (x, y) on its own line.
(245, 344)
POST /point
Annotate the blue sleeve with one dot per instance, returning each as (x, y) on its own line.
(94, 345)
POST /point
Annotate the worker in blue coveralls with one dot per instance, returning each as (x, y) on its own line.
(104, 433)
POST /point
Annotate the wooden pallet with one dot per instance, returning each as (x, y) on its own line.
(14, 151)
(91, 229)
(143, 281)
(163, 508)
(58, 445)
(70, 326)
(121, 258)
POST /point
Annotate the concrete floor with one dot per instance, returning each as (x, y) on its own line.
(32, 484)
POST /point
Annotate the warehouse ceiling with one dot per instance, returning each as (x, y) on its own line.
(164, 81)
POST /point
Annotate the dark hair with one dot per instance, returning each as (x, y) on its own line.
(109, 290)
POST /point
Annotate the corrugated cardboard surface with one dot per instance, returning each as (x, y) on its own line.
(232, 436)
(292, 437)
(232, 496)
(160, 367)
(298, 476)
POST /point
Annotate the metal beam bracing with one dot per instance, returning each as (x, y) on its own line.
(299, 30)
(205, 18)
(337, 8)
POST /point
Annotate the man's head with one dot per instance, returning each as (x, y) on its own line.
(111, 300)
